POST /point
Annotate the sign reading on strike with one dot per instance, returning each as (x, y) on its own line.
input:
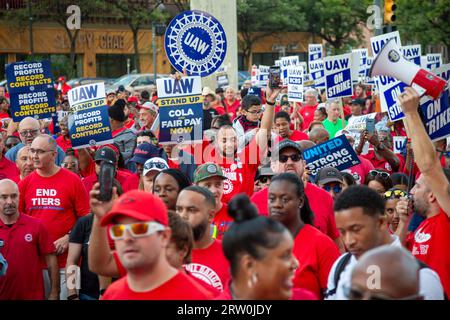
(336, 153)
(338, 76)
(89, 120)
(195, 41)
(31, 90)
(180, 110)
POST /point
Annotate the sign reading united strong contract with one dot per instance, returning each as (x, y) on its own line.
(180, 110)
(88, 120)
(31, 90)
(195, 41)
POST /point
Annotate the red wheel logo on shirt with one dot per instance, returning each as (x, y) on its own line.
(227, 186)
(28, 237)
(206, 274)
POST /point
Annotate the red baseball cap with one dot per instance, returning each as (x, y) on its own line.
(140, 205)
(133, 99)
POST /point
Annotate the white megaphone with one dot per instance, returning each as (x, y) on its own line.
(390, 62)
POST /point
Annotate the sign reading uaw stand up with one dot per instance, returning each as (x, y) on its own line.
(30, 86)
(195, 41)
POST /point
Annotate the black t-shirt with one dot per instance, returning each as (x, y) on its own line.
(80, 234)
(208, 116)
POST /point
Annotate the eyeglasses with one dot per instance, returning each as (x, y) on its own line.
(68, 164)
(137, 230)
(255, 111)
(381, 174)
(354, 294)
(25, 133)
(394, 193)
(294, 157)
(39, 152)
(336, 188)
(10, 145)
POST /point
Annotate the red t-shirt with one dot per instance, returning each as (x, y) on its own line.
(240, 172)
(221, 222)
(360, 171)
(8, 169)
(232, 108)
(431, 244)
(179, 287)
(382, 163)
(131, 182)
(316, 254)
(210, 265)
(129, 123)
(173, 164)
(57, 200)
(64, 143)
(320, 202)
(307, 113)
(295, 136)
(24, 245)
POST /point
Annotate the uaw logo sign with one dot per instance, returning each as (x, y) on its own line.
(195, 41)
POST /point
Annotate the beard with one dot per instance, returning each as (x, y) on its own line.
(199, 230)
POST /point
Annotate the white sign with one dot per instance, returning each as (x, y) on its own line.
(315, 52)
(287, 62)
(295, 84)
(338, 76)
(377, 43)
(399, 143)
(412, 53)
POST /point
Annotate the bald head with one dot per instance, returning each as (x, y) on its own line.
(9, 201)
(28, 130)
(8, 184)
(387, 271)
(319, 135)
(24, 162)
(306, 144)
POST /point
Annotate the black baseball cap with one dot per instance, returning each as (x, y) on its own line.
(287, 143)
(329, 174)
(105, 154)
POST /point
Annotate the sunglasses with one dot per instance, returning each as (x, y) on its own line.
(335, 188)
(381, 174)
(294, 157)
(137, 230)
(394, 194)
(354, 294)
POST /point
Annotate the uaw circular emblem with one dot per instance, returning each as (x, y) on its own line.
(28, 237)
(195, 41)
(393, 56)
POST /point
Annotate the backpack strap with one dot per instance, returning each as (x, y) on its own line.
(337, 272)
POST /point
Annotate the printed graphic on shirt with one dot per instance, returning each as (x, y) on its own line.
(421, 237)
(205, 273)
(46, 199)
(232, 176)
(28, 237)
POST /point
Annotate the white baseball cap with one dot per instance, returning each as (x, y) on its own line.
(154, 164)
(150, 106)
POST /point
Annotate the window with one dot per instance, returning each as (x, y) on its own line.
(113, 65)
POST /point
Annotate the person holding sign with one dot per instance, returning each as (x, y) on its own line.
(240, 169)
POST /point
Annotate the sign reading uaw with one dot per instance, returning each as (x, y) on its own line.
(195, 41)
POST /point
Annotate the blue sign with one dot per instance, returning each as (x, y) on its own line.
(29, 76)
(390, 89)
(37, 104)
(337, 153)
(89, 120)
(254, 91)
(195, 41)
(180, 110)
(338, 76)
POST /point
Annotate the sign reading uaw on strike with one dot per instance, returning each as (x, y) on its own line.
(338, 76)
(337, 153)
(180, 110)
(31, 90)
(88, 120)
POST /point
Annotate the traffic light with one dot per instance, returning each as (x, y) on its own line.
(389, 11)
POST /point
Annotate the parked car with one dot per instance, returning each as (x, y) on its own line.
(136, 82)
(87, 80)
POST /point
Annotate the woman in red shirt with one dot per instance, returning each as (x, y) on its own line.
(260, 254)
(315, 251)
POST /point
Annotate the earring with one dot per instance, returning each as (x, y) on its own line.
(252, 281)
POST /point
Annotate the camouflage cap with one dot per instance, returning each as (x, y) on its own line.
(208, 170)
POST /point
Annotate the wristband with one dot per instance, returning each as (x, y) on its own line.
(270, 103)
(72, 296)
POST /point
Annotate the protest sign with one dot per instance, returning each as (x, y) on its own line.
(399, 144)
(377, 43)
(89, 120)
(356, 125)
(363, 54)
(412, 53)
(295, 83)
(287, 62)
(338, 76)
(390, 89)
(337, 153)
(434, 60)
(367, 79)
(180, 110)
(31, 90)
(195, 41)
(254, 91)
(254, 75)
(263, 76)
(436, 114)
(317, 73)
(315, 52)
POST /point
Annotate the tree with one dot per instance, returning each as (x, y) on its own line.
(424, 22)
(338, 22)
(137, 15)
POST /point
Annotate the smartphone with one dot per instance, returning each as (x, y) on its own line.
(274, 77)
(106, 179)
(370, 125)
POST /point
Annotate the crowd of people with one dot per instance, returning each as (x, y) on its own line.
(238, 216)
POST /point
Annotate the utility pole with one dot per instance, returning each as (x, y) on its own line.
(30, 26)
(154, 49)
(379, 27)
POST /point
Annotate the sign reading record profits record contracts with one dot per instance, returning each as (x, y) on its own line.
(337, 153)
(180, 110)
(89, 121)
(195, 41)
(338, 76)
(31, 89)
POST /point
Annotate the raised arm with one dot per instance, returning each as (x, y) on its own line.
(424, 151)
(263, 134)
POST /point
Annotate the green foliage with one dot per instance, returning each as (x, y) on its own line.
(424, 22)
